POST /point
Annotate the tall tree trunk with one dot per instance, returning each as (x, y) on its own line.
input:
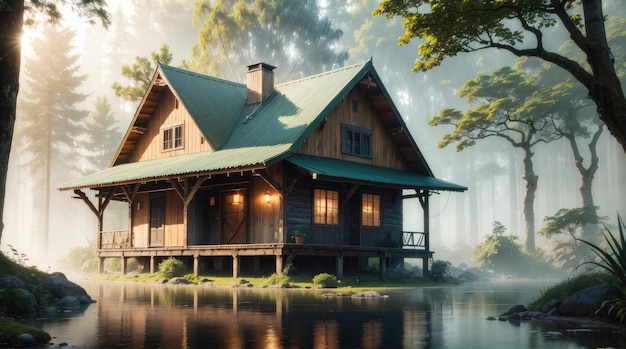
(11, 23)
(586, 174)
(605, 89)
(529, 200)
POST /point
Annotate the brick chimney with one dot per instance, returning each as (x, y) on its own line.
(260, 77)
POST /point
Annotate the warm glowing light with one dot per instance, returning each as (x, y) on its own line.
(236, 198)
(267, 197)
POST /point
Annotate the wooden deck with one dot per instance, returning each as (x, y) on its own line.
(116, 245)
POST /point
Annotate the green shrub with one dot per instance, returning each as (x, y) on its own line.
(275, 279)
(172, 267)
(325, 280)
(572, 285)
(440, 271)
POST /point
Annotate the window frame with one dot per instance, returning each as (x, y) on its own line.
(329, 219)
(173, 134)
(357, 141)
(374, 217)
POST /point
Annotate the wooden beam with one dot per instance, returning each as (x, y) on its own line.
(270, 181)
(85, 199)
(130, 190)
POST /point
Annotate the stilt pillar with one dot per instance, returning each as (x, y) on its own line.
(235, 265)
(279, 264)
(101, 265)
(152, 266)
(340, 267)
(383, 266)
(124, 264)
(196, 266)
(425, 267)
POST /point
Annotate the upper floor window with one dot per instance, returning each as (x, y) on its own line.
(325, 207)
(356, 141)
(370, 207)
(172, 137)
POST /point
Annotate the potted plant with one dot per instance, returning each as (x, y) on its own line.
(298, 237)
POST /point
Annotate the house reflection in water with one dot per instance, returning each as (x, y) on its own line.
(193, 317)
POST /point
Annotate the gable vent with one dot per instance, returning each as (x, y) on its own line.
(260, 82)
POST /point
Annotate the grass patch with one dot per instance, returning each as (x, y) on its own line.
(9, 330)
(572, 285)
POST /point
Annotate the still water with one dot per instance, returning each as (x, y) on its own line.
(131, 315)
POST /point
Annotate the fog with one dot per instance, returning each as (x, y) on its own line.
(491, 169)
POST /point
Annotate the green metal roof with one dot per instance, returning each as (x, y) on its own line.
(295, 108)
(204, 162)
(369, 173)
(215, 104)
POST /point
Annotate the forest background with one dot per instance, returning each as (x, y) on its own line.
(301, 38)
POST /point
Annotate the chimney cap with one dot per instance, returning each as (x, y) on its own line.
(261, 65)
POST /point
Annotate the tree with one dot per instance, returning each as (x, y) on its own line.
(524, 28)
(569, 253)
(503, 112)
(52, 121)
(103, 135)
(236, 33)
(140, 74)
(498, 252)
(11, 23)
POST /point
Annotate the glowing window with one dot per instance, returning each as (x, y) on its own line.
(325, 207)
(370, 207)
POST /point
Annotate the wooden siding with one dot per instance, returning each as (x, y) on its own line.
(169, 111)
(299, 206)
(325, 141)
(266, 219)
(174, 234)
(140, 218)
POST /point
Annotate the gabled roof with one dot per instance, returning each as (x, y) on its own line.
(246, 137)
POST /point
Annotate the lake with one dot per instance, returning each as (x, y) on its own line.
(135, 315)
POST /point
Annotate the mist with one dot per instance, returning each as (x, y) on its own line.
(491, 170)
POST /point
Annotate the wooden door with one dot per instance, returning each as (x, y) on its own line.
(157, 220)
(234, 217)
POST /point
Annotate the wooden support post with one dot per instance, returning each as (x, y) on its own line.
(340, 267)
(124, 265)
(279, 264)
(152, 266)
(235, 265)
(196, 266)
(101, 265)
(383, 266)
(425, 266)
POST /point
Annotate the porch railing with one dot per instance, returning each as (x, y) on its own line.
(114, 239)
(415, 240)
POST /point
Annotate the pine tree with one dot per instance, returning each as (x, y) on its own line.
(52, 120)
(103, 135)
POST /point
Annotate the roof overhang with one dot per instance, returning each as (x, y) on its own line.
(203, 163)
(360, 172)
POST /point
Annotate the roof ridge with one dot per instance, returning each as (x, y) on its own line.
(200, 75)
(314, 76)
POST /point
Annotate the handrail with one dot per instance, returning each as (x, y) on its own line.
(115, 239)
(415, 240)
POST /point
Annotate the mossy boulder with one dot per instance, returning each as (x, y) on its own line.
(12, 334)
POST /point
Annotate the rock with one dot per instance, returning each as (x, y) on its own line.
(491, 318)
(467, 276)
(550, 304)
(514, 310)
(178, 281)
(59, 287)
(368, 294)
(29, 303)
(69, 303)
(586, 302)
(27, 339)
(12, 282)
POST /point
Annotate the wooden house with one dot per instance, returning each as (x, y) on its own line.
(222, 174)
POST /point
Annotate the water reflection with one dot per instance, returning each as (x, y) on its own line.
(161, 316)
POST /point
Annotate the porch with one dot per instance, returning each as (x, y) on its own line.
(117, 243)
